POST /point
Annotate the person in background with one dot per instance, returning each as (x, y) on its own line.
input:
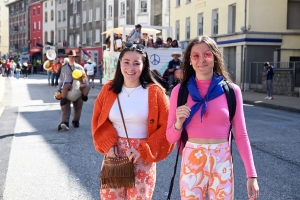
(66, 78)
(269, 73)
(169, 42)
(34, 65)
(7, 68)
(48, 67)
(100, 71)
(206, 155)
(12, 68)
(135, 34)
(173, 66)
(174, 44)
(25, 70)
(159, 42)
(18, 69)
(89, 69)
(29, 67)
(137, 91)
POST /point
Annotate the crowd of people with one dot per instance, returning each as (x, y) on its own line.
(137, 37)
(10, 68)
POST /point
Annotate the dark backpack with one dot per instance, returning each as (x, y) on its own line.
(18, 65)
(181, 100)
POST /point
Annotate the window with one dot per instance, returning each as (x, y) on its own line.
(177, 3)
(51, 3)
(64, 15)
(59, 35)
(64, 34)
(84, 37)
(59, 15)
(187, 28)
(71, 21)
(122, 11)
(33, 13)
(39, 10)
(97, 14)
(71, 41)
(200, 24)
(83, 16)
(110, 12)
(52, 15)
(231, 18)
(75, 7)
(177, 31)
(46, 37)
(89, 39)
(34, 26)
(97, 39)
(215, 22)
(293, 14)
(77, 40)
(188, 1)
(52, 37)
(39, 24)
(143, 6)
(46, 16)
(77, 20)
(90, 15)
(45, 4)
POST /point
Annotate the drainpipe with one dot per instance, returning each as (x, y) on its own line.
(244, 50)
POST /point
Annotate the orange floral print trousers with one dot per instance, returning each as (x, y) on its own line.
(206, 168)
(145, 178)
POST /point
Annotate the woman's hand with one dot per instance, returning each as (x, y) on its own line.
(182, 113)
(111, 152)
(133, 154)
(252, 188)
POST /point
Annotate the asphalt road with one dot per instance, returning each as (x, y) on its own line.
(37, 162)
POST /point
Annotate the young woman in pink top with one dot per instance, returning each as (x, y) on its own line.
(206, 158)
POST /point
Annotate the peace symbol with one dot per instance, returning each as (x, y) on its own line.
(155, 59)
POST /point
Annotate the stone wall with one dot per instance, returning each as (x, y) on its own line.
(282, 82)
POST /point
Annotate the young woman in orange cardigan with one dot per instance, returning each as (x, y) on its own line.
(145, 108)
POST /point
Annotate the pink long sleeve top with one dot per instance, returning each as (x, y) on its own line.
(215, 122)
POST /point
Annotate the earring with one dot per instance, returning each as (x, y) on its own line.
(190, 63)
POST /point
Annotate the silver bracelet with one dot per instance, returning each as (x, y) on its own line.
(177, 128)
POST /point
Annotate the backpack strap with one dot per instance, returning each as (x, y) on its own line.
(181, 100)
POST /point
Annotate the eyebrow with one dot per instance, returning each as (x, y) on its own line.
(129, 60)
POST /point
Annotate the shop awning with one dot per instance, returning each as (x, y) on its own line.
(35, 50)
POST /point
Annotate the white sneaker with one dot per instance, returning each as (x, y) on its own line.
(270, 98)
(267, 97)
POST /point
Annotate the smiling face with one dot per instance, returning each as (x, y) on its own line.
(202, 61)
(131, 68)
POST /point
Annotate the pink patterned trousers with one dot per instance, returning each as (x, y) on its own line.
(145, 177)
(206, 168)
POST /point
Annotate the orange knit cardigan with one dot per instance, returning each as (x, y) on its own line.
(152, 149)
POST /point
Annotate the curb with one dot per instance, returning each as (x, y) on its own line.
(276, 107)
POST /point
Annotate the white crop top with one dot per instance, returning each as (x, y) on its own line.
(135, 109)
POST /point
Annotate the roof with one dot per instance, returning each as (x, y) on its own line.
(128, 30)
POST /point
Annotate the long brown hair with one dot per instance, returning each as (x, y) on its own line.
(145, 78)
(219, 67)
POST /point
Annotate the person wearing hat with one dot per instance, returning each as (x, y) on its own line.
(269, 73)
(66, 79)
(173, 66)
(89, 70)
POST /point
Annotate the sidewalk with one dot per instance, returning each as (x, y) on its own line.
(287, 103)
(281, 102)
